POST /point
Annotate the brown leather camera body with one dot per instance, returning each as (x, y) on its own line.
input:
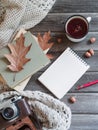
(24, 124)
(23, 115)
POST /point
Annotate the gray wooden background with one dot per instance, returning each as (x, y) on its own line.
(85, 109)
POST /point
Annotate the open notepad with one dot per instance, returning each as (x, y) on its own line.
(64, 73)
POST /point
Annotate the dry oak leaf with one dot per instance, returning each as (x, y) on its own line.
(44, 40)
(17, 56)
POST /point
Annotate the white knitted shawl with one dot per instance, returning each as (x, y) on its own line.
(22, 14)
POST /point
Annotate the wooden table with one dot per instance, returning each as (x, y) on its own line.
(85, 109)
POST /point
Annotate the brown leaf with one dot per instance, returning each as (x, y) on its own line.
(44, 40)
(18, 52)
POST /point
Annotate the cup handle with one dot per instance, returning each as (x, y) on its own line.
(89, 19)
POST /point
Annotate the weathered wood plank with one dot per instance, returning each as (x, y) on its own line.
(35, 85)
(84, 122)
(86, 103)
(56, 21)
(87, 77)
(82, 46)
(75, 6)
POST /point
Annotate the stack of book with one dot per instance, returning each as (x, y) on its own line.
(38, 60)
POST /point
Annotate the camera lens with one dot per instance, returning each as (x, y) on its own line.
(8, 113)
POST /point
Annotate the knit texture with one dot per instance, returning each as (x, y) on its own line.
(2, 12)
(53, 114)
(22, 14)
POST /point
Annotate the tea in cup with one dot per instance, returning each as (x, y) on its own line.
(77, 27)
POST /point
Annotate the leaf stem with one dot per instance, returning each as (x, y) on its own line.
(14, 77)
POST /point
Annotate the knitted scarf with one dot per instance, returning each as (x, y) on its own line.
(21, 14)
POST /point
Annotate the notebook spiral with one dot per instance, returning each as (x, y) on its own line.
(74, 53)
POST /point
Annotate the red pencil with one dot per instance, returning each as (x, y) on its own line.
(87, 84)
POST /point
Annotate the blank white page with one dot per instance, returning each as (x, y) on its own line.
(63, 73)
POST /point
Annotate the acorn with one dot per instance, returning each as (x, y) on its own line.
(87, 54)
(91, 51)
(72, 99)
(92, 39)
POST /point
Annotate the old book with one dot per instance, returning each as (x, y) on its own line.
(38, 61)
(23, 84)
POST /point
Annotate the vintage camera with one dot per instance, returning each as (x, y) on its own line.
(13, 112)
